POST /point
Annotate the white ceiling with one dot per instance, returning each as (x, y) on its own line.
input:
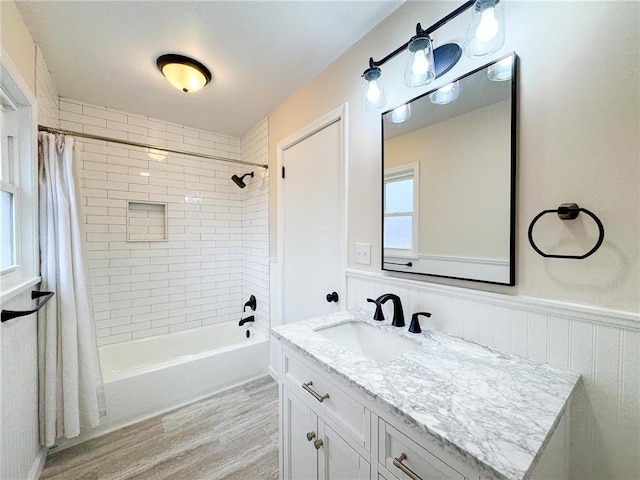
(259, 52)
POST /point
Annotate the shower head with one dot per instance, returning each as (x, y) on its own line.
(239, 180)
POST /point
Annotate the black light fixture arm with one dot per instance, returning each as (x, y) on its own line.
(420, 32)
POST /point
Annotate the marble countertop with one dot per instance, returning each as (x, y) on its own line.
(497, 411)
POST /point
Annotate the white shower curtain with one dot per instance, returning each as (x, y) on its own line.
(70, 382)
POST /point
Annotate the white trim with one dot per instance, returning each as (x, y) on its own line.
(37, 465)
(26, 177)
(487, 269)
(19, 288)
(617, 318)
(340, 113)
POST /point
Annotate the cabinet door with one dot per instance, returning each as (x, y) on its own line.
(337, 460)
(300, 461)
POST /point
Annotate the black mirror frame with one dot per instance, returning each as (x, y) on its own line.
(514, 150)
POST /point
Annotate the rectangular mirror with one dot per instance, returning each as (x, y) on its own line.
(449, 179)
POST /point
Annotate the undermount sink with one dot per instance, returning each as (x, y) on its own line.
(373, 343)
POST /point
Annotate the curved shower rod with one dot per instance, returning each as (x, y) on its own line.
(42, 128)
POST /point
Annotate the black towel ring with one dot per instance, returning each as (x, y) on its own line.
(568, 211)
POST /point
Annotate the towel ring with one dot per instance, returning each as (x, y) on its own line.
(567, 211)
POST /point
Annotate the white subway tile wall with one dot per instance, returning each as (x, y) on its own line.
(255, 224)
(46, 95)
(141, 289)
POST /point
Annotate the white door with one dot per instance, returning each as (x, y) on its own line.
(313, 219)
(337, 460)
(300, 431)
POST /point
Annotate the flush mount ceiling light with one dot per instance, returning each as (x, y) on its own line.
(184, 73)
(485, 35)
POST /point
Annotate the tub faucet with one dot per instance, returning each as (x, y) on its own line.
(250, 318)
(398, 314)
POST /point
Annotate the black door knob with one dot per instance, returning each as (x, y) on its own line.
(332, 297)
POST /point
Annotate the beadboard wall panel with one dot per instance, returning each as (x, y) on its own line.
(603, 346)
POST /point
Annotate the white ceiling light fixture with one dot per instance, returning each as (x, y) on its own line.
(485, 35)
(184, 73)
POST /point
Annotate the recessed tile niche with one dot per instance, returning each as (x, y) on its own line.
(146, 222)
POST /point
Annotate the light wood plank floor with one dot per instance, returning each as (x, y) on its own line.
(232, 435)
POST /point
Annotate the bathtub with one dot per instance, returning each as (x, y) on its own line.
(149, 376)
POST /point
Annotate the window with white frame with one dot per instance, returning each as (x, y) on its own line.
(401, 191)
(19, 259)
(8, 185)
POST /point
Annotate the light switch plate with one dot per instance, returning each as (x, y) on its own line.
(363, 253)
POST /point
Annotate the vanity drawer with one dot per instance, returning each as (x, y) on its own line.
(412, 461)
(329, 400)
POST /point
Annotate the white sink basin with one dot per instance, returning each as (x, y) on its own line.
(373, 343)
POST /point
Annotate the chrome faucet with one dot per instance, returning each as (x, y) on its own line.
(398, 314)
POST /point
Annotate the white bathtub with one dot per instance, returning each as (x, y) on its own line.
(145, 377)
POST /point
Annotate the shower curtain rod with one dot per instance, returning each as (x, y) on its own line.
(42, 128)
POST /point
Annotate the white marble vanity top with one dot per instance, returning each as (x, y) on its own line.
(494, 409)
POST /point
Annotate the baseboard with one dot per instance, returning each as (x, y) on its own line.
(38, 464)
(616, 318)
(273, 374)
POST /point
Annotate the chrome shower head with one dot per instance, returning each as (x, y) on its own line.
(240, 180)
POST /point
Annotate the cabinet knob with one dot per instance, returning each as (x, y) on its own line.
(318, 443)
(311, 435)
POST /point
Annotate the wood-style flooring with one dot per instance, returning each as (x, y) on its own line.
(232, 435)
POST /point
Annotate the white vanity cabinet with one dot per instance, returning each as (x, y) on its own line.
(328, 433)
(444, 409)
(325, 432)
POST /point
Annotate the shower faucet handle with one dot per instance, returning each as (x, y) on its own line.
(251, 304)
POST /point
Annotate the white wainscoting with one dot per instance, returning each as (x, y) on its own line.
(602, 345)
(487, 269)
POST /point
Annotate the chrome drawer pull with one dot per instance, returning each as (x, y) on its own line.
(320, 398)
(406, 470)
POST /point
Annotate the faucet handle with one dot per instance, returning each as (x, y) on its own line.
(414, 327)
(378, 315)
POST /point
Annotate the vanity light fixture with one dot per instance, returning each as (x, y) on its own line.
(400, 114)
(501, 71)
(184, 73)
(485, 35)
(446, 94)
(372, 90)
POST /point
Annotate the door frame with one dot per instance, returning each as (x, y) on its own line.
(339, 113)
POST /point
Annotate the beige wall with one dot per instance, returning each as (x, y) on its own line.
(464, 190)
(578, 137)
(17, 41)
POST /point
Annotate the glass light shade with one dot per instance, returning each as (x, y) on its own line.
(184, 77)
(400, 114)
(446, 94)
(501, 71)
(419, 66)
(184, 73)
(372, 89)
(485, 33)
